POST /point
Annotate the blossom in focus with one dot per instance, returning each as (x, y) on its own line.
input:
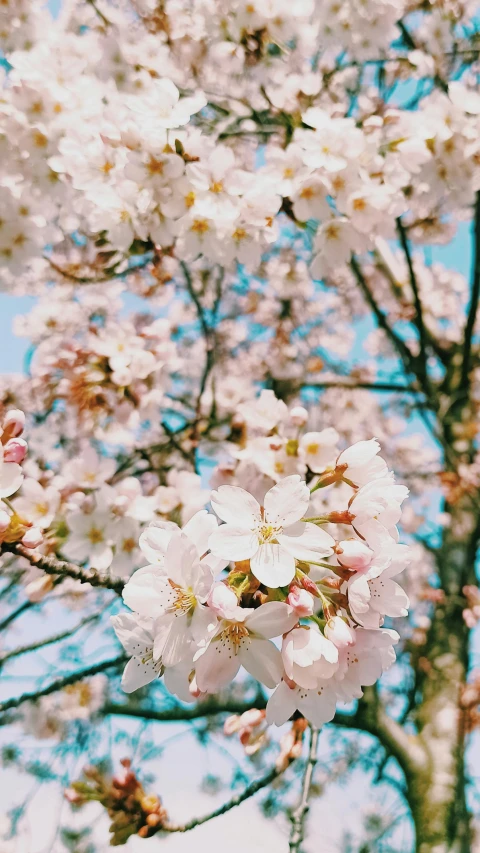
(272, 536)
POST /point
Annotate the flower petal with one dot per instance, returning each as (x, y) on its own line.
(199, 528)
(233, 543)
(273, 566)
(11, 476)
(307, 541)
(286, 502)
(236, 506)
(217, 666)
(262, 660)
(272, 619)
(281, 705)
(148, 594)
(137, 674)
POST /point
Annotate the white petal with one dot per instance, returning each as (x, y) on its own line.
(287, 502)
(236, 506)
(180, 560)
(217, 667)
(318, 705)
(233, 543)
(203, 624)
(137, 674)
(154, 540)
(281, 705)
(272, 619)
(134, 639)
(148, 594)
(11, 476)
(273, 566)
(262, 660)
(175, 643)
(199, 528)
(307, 542)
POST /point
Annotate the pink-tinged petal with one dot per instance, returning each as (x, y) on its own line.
(11, 476)
(148, 594)
(203, 625)
(217, 666)
(233, 543)
(307, 542)
(281, 705)
(154, 540)
(318, 705)
(359, 594)
(262, 660)
(203, 578)
(181, 560)
(287, 502)
(134, 639)
(199, 528)
(236, 506)
(138, 673)
(273, 566)
(175, 645)
(272, 619)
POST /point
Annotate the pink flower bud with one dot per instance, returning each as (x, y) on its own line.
(353, 554)
(32, 538)
(339, 633)
(253, 717)
(231, 725)
(301, 601)
(298, 416)
(13, 423)
(15, 450)
(193, 689)
(4, 521)
(223, 601)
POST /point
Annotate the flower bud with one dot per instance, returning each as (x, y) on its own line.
(301, 601)
(353, 554)
(32, 538)
(15, 450)
(13, 424)
(339, 633)
(223, 601)
(298, 416)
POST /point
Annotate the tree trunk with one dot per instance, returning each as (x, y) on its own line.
(437, 792)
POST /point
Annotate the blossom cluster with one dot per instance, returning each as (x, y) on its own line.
(214, 595)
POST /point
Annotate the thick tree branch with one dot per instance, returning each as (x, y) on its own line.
(474, 298)
(371, 386)
(179, 713)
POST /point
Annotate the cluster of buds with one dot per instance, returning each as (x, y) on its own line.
(251, 727)
(131, 810)
(13, 449)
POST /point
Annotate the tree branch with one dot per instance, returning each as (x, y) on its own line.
(60, 683)
(178, 713)
(53, 566)
(474, 298)
(248, 792)
(371, 386)
(422, 332)
(300, 812)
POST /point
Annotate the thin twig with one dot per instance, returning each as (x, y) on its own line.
(247, 792)
(422, 332)
(299, 814)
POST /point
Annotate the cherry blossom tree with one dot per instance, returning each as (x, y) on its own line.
(239, 474)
